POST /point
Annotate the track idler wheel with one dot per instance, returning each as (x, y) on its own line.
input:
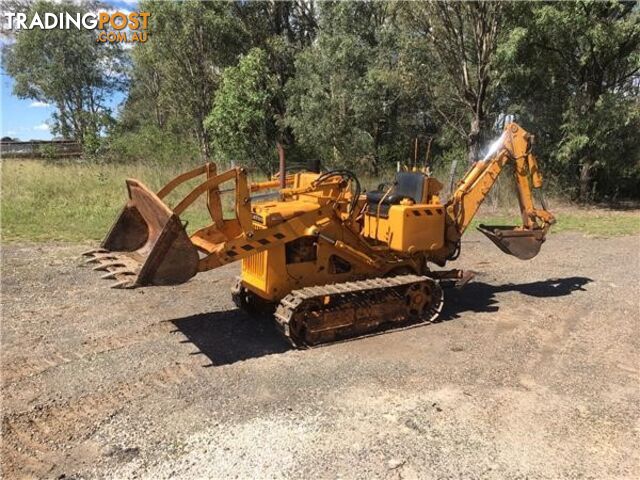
(424, 301)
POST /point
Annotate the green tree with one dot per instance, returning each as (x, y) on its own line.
(68, 69)
(355, 83)
(243, 123)
(281, 30)
(572, 71)
(459, 44)
(348, 100)
(147, 101)
(190, 43)
(174, 80)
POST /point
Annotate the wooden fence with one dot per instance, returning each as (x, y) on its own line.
(40, 149)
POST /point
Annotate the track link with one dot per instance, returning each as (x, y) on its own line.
(328, 313)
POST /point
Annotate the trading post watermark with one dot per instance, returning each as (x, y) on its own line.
(111, 26)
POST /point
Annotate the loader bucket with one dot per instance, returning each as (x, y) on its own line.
(146, 245)
(521, 243)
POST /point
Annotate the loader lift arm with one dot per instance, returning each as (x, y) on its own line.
(148, 243)
(524, 242)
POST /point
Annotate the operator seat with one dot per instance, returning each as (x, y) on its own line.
(408, 185)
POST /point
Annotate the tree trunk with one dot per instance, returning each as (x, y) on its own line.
(375, 165)
(206, 151)
(203, 139)
(452, 176)
(377, 136)
(282, 165)
(585, 180)
(473, 140)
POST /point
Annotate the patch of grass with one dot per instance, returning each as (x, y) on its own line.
(599, 222)
(591, 221)
(43, 201)
(72, 201)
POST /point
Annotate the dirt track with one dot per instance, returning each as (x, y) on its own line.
(534, 373)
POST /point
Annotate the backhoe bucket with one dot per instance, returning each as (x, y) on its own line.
(147, 244)
(524, 244)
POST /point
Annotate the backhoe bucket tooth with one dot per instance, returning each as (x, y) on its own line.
(149, 239)
(521, 243)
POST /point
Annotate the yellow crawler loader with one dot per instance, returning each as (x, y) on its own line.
(330, 261)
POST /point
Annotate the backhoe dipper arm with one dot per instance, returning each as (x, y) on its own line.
(513, 145)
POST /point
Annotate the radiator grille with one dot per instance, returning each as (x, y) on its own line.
(254, 264)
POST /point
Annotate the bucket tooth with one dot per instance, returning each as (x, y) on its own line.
(115, 273)
(106, 265)
(98, 257)
(123, 284)
(93, 251)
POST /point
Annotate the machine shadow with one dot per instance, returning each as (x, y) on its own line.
(480, 297)
(231, 336)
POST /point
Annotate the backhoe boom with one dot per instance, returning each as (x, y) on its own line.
(514, 145)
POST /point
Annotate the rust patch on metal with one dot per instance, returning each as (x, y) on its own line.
(521, 243)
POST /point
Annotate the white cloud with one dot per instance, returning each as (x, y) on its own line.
(39, 105)
(43, 127)
(111, 11)
(12, 132)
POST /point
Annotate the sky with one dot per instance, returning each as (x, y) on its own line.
(28, 119)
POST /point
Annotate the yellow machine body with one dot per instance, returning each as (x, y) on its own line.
(408, 228)
(274, 273)
(322, 232)
(307, 260)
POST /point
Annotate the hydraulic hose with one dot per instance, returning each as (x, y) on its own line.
(350, 175)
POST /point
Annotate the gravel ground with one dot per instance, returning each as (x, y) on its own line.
(534, 373)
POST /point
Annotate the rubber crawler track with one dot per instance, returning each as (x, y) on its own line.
(327, 304)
